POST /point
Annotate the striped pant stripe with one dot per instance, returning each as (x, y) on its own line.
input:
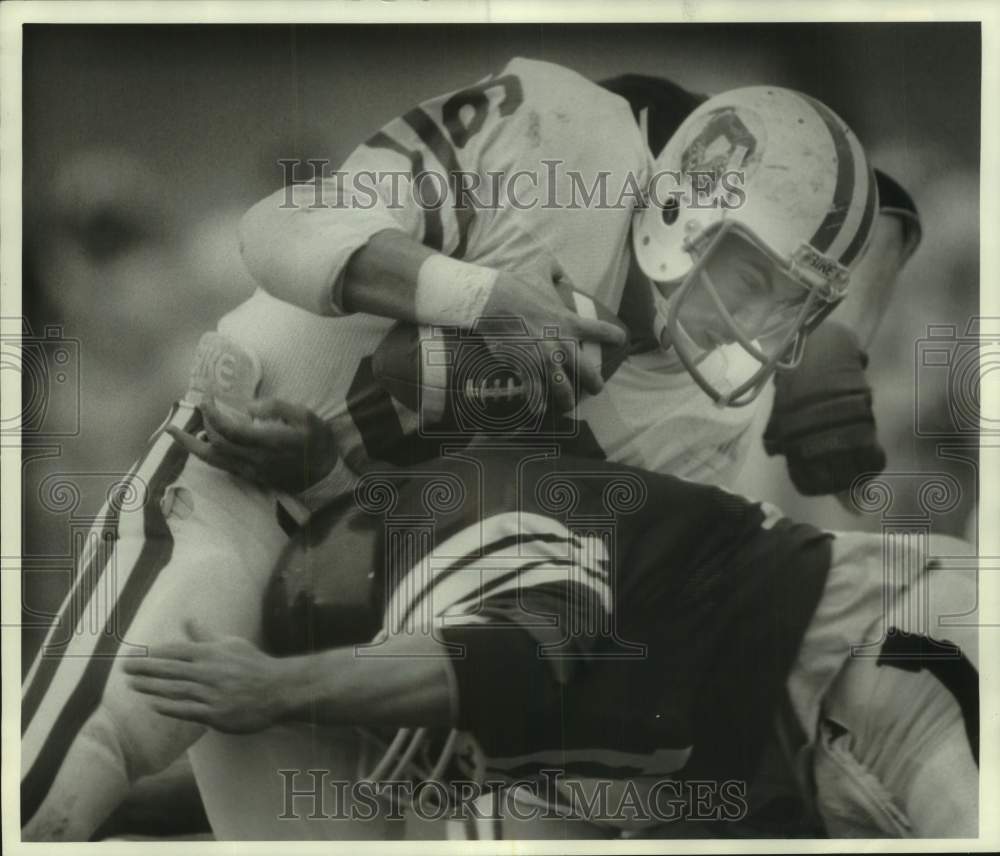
(86, 694)
(91, 570)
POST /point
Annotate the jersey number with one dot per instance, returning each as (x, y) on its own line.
(475, 97)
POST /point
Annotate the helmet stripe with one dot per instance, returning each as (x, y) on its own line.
(860, 238)
(843, 191)
(856, 227)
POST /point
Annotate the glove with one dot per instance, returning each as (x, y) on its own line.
(822, 419)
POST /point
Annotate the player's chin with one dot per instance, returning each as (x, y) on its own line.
(710, 339)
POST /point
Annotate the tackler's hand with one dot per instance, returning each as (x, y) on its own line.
(822, 419)
(273, 443)
(226, 683)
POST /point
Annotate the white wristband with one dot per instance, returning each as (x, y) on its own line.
(452, 292)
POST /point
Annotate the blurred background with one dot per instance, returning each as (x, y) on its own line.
(143, 145)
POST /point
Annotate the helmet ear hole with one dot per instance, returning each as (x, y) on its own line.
(671, 211)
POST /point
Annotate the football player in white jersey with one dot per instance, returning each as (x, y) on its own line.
(191, 541)
(379, 258)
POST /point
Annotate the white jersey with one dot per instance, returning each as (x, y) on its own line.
(533, 119)
(651, 415)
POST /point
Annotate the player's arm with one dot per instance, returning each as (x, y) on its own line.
(388, 234)
(229, 684)
(393, 274)
(314, 244)
(409, 683)
(468, 676)
(481, 673)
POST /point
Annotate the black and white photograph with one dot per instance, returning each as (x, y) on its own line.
(469, 426)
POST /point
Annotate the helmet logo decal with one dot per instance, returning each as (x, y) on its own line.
(723, 144)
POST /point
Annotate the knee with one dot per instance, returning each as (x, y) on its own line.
(140, 740)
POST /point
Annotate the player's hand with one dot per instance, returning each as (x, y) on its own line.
(533, 299)
(226, 683)
(822, 419)
(276, 444)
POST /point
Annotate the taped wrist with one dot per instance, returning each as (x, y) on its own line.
(450, 291)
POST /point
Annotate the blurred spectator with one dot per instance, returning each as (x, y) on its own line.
(136, 282)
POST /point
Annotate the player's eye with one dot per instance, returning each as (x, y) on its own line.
(754, 284)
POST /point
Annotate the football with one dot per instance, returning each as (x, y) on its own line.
(455, 381)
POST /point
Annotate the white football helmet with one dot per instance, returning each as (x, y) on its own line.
(786, 189)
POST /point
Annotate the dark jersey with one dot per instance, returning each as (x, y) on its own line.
(600, 619)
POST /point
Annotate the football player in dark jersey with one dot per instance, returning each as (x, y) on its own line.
(589, 623)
